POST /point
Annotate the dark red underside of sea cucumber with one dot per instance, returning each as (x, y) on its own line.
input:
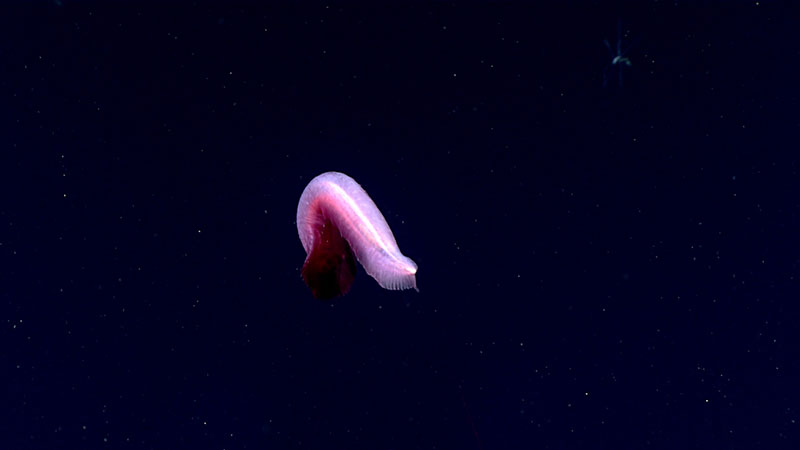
(330, 268)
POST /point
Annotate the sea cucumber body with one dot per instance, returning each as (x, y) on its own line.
(334, 199)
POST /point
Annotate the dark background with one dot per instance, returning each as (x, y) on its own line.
(600, 266)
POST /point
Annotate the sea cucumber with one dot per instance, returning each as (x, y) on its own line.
(337, 221)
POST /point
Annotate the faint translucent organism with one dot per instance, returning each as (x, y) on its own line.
(619, 60)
